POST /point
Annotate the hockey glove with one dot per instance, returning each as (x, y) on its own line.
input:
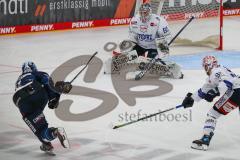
(63, 87)
(211, 94)
(53, 103)
(162, 47)
(188, 101)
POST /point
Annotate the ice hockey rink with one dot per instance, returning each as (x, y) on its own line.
(91, 138)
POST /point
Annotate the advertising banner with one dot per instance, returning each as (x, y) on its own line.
(27, 12)
(19, 16)
(231, 4)
(232, 7)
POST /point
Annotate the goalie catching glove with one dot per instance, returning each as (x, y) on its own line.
(63, 87)
(162, 47)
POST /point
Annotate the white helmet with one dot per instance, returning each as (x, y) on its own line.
(208, 63)
(28, 66)
(145, 12)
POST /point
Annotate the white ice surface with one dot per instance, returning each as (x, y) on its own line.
(93, 140)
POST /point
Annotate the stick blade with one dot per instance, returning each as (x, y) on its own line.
(115, 127)
(139, 76)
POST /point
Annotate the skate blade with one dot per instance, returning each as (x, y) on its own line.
(202, 147)
(50, 153)
(63, 138)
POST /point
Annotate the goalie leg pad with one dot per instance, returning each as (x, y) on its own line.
(167, 68)
(116, 63)
(160, 67)
(107, 66)
(175, 70)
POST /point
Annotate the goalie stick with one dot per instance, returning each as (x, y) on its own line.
(152, 62)
(140, 119)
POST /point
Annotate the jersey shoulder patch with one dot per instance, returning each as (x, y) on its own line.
(217, 73)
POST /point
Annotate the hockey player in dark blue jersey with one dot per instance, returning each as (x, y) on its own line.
(34, 90)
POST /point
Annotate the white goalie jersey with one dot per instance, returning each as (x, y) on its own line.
(219, 75)
(145, 34)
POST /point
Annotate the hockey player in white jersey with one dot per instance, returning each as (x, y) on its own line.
(149, 37)
(229, 101)
(150, 33)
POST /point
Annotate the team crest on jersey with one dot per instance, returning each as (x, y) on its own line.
(145, 37)
(153, 24)
(143, 28)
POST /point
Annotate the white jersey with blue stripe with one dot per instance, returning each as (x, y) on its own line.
(145, 34)
(219, 75)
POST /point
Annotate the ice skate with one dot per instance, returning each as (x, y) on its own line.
(62, 136)
(47, 148)
(203, 143)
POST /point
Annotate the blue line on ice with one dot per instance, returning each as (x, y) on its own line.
(229, 59)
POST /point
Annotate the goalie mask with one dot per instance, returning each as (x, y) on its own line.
(28, 67)
(145, 12)
(208, 63)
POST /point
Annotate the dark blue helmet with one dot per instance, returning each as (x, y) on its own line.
(29, 66)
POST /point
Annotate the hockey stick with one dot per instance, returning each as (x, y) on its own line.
(152, 115)
(152, 62)
(65, 87)
(84, 67)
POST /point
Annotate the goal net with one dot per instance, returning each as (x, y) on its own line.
(203, 31)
